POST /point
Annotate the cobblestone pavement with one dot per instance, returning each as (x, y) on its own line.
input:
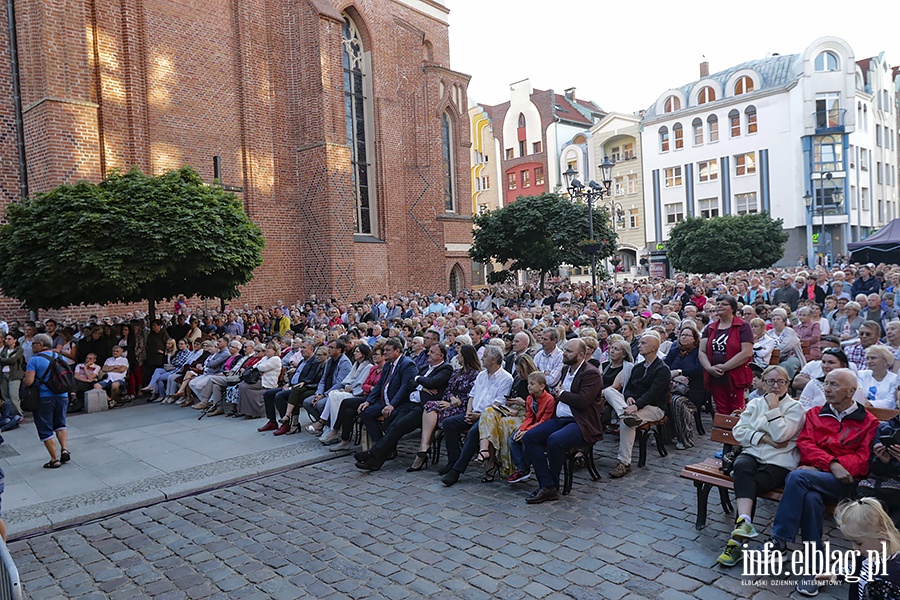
(330, 531)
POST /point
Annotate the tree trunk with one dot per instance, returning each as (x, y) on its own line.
(151, 310)
(222, 305)
(543, 273)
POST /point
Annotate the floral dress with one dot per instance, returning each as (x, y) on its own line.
(460, 384)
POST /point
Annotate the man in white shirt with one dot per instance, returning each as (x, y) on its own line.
(492, 385)
(549, 359)
(115, 368)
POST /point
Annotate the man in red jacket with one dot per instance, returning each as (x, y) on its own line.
(834, 454)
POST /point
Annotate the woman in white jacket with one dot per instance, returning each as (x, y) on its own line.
(767, 431)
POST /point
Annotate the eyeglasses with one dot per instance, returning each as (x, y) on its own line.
(775, 381)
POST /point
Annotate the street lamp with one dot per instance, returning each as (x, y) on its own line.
(810, 202)
(594, 191)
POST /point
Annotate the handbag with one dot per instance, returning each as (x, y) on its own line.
(251, 376)
(728, 460)
(30, 397)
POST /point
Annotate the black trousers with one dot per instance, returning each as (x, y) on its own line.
(752, 477)
(405, 419)
(276, 399)
(347, 416)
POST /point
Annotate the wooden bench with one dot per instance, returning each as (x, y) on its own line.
(708, 474)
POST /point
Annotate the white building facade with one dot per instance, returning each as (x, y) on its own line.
(763, 135)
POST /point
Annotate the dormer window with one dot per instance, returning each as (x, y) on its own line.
(827, 61)
(707, 94)
(744, 85)
(672, 104)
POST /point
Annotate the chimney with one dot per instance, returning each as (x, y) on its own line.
(570, 93)
(704, 69)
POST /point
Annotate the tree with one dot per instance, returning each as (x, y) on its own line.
(728, 243)
(541, 233)
(129, 238)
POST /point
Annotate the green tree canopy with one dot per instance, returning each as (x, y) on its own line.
(728, 243)
(131, 237)
(541, 233)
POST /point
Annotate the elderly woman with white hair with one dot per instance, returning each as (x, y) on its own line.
(877, 381)
(847, 327)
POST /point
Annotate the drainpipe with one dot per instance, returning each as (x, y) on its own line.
(17, 97)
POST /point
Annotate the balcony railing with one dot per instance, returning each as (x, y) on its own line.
(831, 119)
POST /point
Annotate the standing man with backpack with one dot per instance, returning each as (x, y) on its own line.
(43, 370)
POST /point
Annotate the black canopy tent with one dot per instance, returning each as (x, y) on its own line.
(881, 246)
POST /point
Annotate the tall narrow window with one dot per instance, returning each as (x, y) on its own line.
(447, 148)
(697, 125)
(734, 120)
(361, 156)
(713, 123)
(663, 139)
(750, 113)
(678, 133)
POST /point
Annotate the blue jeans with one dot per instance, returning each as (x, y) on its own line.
(802, 505)
(518, 455)
(546, 446)
(51, 416)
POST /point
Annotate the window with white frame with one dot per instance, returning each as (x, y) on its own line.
(744, 85)
(712, 123)
(634, 219)
(697, 126)
(745, 204)
(734, 121)
(678, 134)
(750, 113)
(628, 151)
(827, 61)
(745, 164)
(707, 94)
(619, 185)
(828, 110)
(511, 181)
(708, 170)
(615, 154)
(709, 207)
(673, 177)
(863, 159)
(663, 139)
(672, 104)
(631, 183)
(864, 197)
(674, 213)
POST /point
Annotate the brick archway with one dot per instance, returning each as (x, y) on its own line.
(457, 279)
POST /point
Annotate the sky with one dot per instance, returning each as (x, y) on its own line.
(624, 55)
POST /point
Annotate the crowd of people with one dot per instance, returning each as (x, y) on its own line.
(512, 378)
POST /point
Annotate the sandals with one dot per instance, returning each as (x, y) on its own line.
(490, 474)
(53, 464)
(313, 429)
(65, 456)
(483, 455)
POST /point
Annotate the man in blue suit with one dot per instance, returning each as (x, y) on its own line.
(391, 391)
(429, 384)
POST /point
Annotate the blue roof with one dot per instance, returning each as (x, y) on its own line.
(774, 72)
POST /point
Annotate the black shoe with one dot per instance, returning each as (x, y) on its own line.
(362, 456)
(373, 464)
(451, 477)
(421, 462)
(543, 495)
(445, 469)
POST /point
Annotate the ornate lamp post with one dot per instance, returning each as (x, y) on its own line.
(594, 191)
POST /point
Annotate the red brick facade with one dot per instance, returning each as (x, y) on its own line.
(107, 84)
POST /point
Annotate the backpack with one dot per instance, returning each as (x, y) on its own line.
(58, 377)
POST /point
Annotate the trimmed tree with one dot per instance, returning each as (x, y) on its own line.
(728, 243)
(540, 233)
(129, 238)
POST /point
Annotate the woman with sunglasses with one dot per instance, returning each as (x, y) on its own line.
(767, 431)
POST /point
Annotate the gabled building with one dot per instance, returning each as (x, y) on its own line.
(531, 128)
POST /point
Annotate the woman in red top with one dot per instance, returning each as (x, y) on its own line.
(539, 407)
(725, 351)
